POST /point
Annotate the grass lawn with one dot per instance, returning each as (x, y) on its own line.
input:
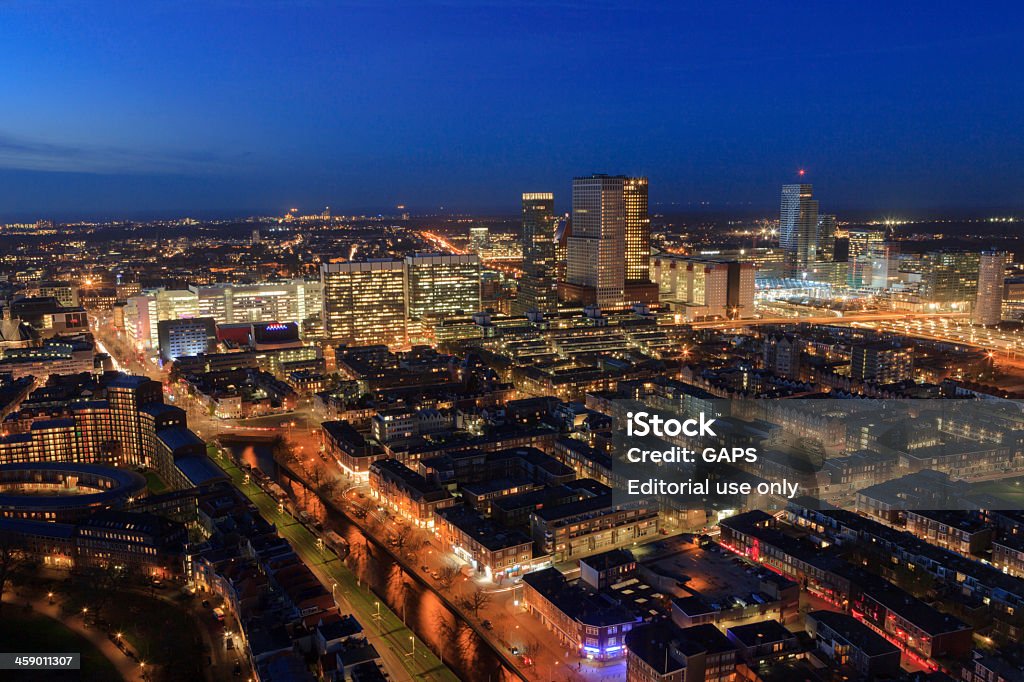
(161, 633)
(31, 633)
(155, 484)
(1009, 489)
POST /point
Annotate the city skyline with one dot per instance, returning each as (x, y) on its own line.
(511, 341)
(201, 110)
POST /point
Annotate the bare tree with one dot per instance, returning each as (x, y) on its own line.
(447, 575)
(283, 452)
(401, 538)
(531, 647)
(477, 600)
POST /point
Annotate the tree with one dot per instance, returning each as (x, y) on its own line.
(400, 539)
(11, 560)
(447, 575)
(321, 481)
(531, 647)
(478, 599)
(283, 452)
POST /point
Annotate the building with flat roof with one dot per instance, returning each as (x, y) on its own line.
(185, 337)
(364, 302)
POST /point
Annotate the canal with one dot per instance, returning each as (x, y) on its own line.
(470, 656)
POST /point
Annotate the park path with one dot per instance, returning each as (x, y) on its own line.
(129, 669)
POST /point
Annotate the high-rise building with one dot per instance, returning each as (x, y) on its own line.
(1013, 299)
(364, 302)
(67, 294)
(140, 320)
(437, 285)
(537, 285)
(479, 240)
(286, 301)
(826, 238)
(950, 278)
(186, 337)
(798, 227)
(702, 288)
(988, 308)
(859, 249)
(884, 259)
(596, 251)
(638, 230)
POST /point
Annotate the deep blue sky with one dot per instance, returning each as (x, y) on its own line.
(130, 107)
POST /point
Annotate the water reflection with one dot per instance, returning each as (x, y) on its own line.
(447, 635)
(461, 649)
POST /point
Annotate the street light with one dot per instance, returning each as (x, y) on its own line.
(413, 640)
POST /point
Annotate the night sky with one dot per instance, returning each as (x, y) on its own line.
(133, 108)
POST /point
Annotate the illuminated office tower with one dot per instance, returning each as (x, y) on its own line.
(950, 278)
(704, 288)
(826, 238)
(596, 251)
(140, 320)
(988, 307)
(174, 304)
(862, 242)
(884, 260)
(536, 288)
(186, 337)
(288, 301)
(798, 227)
(442, 284)
(479, 240)
(638, 231)
(364, 302)
(143, 313)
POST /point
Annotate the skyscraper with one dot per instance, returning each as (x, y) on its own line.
(988, 308)
(862, 244)
(798, 227)
(950, 278)
(536, 289)
(442, 284)
(479, 240)
(364, 302)
(826, 238)
(596, 251)
(638, 231)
